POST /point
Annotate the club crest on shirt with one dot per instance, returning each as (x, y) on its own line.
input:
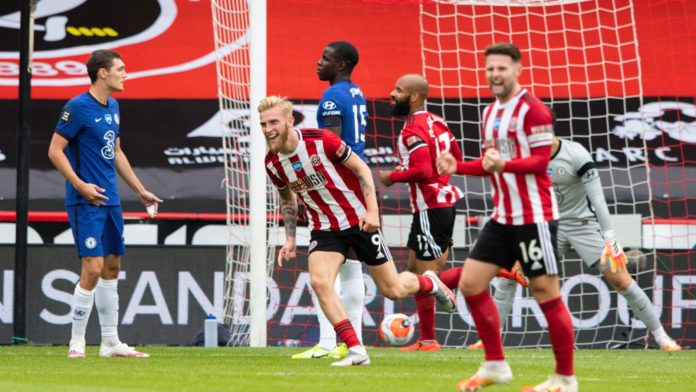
(513, 124)
(108, 118)
(314, 159)
(297, 166)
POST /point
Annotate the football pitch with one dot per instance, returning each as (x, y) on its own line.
(35, 368)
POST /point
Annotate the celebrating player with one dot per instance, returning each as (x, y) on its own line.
(424, 137)
(585, 225)
(337, 188)
(343, 111)
(518, 133)
(89, 128)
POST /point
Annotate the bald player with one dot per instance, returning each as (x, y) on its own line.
(423, 138)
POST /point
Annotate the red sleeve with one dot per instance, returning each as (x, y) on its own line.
(455, 150)
(538, 127)
(537, 163)
(335, 148)
(419, 168)
(471, 168)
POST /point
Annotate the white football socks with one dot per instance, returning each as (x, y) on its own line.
(353, 293)
(106, 299)
(350, 287)
(504, 297)
(82, 303)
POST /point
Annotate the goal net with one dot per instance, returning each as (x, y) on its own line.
(231, 31)
(581, 57)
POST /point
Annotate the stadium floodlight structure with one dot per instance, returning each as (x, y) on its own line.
(250, 206)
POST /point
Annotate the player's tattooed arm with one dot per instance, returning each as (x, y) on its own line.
(288, 208)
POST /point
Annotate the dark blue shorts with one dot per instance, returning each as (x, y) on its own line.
(98, 230)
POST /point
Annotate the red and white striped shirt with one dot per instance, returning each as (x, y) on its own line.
(522, 130)
(426, 131)
(315, 172)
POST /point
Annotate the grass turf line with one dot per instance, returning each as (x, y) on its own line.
(34, 368)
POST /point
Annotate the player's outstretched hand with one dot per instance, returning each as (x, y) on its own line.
(93, 193)
(369, 222)
(446, 164)
(613, 253)
(287, 252)
(385, 177)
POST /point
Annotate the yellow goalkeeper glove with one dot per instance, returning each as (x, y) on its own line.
(613, 253)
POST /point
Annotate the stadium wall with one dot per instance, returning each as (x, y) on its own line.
(166, 291)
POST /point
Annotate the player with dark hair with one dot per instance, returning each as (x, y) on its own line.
(337, 188)
(423, 138)
(343, 111)
(517, 135)
(86, 150)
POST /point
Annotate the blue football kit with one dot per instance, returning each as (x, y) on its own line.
(345, 100)
(92, 129)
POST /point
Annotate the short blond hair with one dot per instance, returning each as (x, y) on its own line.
(272, 101)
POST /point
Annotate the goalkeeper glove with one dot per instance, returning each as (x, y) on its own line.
(613, 253)
(514, 274)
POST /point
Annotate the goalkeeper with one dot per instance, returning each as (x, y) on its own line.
(585, 225)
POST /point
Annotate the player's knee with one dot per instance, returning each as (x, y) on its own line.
(321, 285)
(469, 287)
(92, 275)
(545, 292)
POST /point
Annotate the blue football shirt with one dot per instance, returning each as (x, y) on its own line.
(345, 99)
(91, 129)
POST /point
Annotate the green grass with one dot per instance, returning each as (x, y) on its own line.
(31, 368)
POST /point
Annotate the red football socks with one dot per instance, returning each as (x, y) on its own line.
(426, 315)
(561, 334)
(450, 277)
(485, 315)
(425, 284)
(344, 330)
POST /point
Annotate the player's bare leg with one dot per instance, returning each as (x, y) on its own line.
(106, 300)
(641, 306)
(473, 283)
(546, 291)
(395, 285)
(425, 303)
(323, 270)
(83, 301)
